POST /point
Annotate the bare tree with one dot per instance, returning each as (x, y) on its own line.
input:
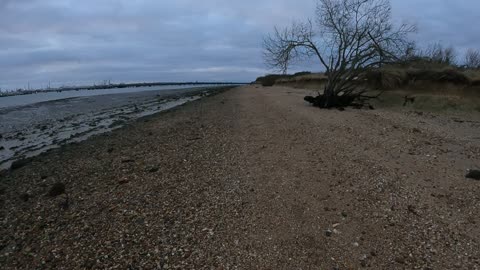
(436, 53)
(450, 56)
(410, 52)
(347, 37)
(472, 59)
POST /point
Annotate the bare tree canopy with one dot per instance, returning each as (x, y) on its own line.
(438, 54)
(449, 56)
(472, 59)
(347, 37)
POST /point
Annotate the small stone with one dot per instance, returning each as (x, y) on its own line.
(363, 261)
(123, 182)
(328, 233)
(57, 189)
(412, 209)
(344, 214)
(473, 174)
(25, 197)
(65, 204)
(153, 169)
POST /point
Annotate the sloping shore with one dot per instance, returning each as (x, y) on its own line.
(27, 131)
(252, 178)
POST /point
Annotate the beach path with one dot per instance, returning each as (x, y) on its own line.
(252, 178)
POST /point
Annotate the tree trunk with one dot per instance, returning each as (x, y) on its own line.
(328, 97)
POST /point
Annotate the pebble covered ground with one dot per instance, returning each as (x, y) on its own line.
(30, 130)
(252, 178)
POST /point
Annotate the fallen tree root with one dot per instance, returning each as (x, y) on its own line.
(339, 102)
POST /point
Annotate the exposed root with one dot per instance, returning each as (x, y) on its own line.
(340, 102)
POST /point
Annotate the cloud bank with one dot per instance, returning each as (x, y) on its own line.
(82, 42)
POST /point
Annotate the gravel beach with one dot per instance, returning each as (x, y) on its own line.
(29, 130)
(252, 178)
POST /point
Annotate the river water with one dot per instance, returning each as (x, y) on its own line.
(21, 100)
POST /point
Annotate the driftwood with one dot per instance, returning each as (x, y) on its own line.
(340, 102)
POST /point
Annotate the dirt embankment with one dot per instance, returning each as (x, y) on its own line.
(253, 178)
(435, 90)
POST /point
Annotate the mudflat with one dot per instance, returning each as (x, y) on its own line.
(32, 129)
(252, 178)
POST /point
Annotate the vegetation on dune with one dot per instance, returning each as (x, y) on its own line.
(388, 77)
(397, 77)
(271, 79)
(363, 54)
(472, 59)
(417, 85)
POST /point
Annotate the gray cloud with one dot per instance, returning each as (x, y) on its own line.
(70, 42)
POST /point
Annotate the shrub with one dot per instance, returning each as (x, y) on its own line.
(302, 73)
(387, 78)
(445, 76)
(270, 80)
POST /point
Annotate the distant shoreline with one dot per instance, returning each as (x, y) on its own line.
(110, 86)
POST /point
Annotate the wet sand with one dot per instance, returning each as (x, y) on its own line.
(27, 131)
(252, 178)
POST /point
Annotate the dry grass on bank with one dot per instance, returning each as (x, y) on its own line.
(434, 87)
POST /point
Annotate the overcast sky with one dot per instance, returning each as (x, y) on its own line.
(87, 41)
